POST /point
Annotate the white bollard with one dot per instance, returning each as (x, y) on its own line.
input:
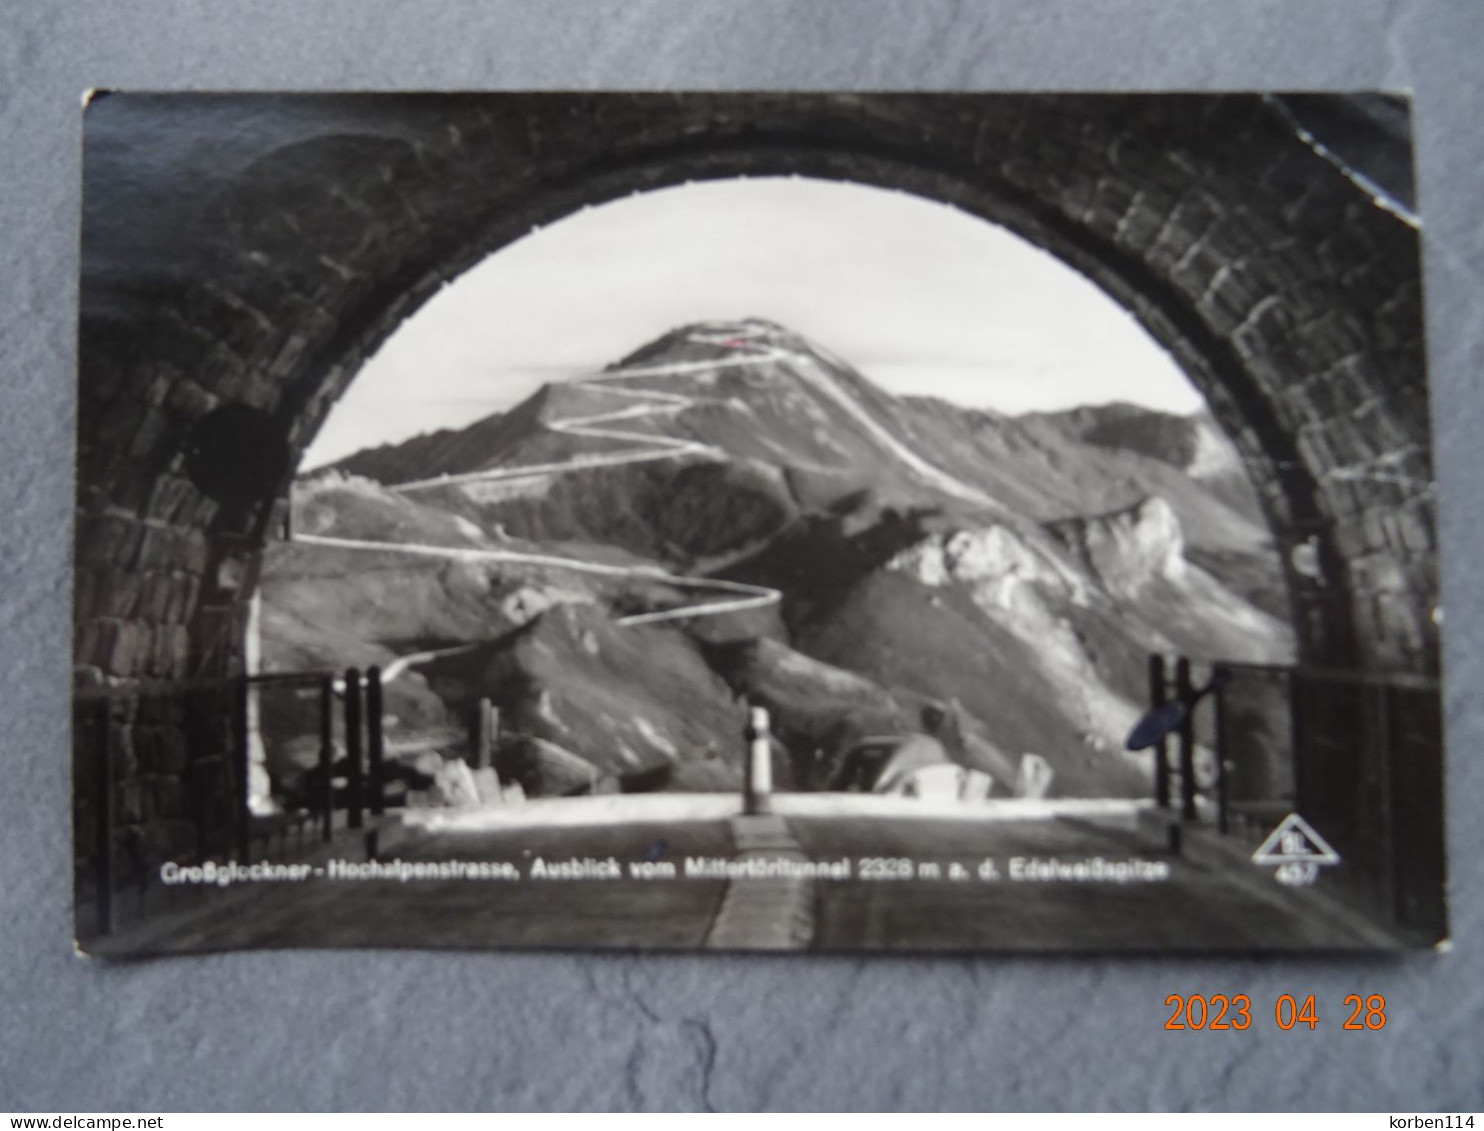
(759, 786)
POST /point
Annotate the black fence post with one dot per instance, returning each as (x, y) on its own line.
(1161, 748)
(327, 756)
(1299, 741)
(1223, 813)
(355, 786)
(1186, 693)
(205, 788)
(241, 767)
(103, 784)
(1379, 719)
(374, 748)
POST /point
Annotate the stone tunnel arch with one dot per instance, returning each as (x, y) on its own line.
(273, 264)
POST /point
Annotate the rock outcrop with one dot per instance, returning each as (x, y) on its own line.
(1125, 550)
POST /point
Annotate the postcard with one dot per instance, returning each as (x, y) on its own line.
(754, 521)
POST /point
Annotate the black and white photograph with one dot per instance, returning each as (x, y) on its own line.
(754, 521)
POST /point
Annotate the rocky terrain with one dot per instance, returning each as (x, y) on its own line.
(730, 515)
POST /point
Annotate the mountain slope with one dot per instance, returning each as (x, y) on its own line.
(760, 521)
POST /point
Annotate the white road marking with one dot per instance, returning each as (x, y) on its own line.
(651, 447)
(624, 808)
(753, 596)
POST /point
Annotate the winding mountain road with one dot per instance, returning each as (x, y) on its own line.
(730, 596)
(648, 446)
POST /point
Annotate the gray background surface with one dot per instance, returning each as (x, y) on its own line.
(380, 1030)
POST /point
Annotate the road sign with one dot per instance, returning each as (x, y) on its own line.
(1295, 841)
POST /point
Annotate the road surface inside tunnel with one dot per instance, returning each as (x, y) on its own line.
(1212, 896)
(1214, 899)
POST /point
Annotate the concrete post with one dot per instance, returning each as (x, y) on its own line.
(486, 733)
(759, 787)
(259, 788)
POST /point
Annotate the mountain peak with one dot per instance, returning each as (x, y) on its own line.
(711, 339)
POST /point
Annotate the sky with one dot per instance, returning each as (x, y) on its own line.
(920, 297)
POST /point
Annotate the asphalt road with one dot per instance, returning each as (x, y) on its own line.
(447, 914)
(916, 884)
(1214, 898)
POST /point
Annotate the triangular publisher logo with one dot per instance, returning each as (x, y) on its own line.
(1295, 841)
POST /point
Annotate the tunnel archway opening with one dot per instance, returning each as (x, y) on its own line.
(1049, 405)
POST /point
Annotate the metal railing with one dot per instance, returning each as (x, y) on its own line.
(1359, 755)
(206, 725)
